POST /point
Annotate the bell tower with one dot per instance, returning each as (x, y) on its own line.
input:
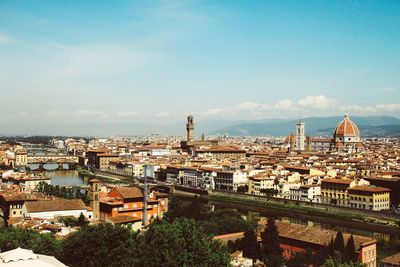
(300, 137)
(94, 190)
(189, 128)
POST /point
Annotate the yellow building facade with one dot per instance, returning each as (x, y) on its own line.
(369, 198)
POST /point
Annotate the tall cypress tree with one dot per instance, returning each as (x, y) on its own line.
(351, 250)
(338, 244)
(272, 251)
(250, 246)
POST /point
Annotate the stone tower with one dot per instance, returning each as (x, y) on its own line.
(94, 191)
(189, 128)
(300, 137)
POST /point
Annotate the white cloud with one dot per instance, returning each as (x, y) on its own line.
(319, 102)
(285, 104)
(389, 107)
(163, 114)
(309, 106)
(214, 111)
(252, 106)
(356, 109)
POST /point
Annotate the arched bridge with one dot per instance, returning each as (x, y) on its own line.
(61, 160)
(48, 159)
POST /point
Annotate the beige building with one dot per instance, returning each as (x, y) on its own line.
(260, 182)
(105, 159)
(21, 158)
(334, 191)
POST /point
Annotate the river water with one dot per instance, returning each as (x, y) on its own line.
(64, 178)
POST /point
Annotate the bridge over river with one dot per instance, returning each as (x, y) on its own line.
(60, 160)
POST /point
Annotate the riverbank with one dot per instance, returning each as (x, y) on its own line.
(106, 179)
(317, 213)
(320, 214)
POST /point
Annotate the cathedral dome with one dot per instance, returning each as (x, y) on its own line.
(346, 128)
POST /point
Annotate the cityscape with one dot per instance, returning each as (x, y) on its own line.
(200, 133)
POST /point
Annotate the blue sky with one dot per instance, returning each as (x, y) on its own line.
(114, 61)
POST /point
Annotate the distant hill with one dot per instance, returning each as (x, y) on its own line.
(315, 126)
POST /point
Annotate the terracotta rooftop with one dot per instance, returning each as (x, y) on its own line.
(369, 189)
(123, 219)
(55, 205)
(337, 181)
(316, 235)
(394, 260)
(129, 192)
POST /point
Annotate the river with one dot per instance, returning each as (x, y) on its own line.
(64, 178)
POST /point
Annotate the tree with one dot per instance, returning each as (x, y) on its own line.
(225, 221)
(338, 244)
(101, 245)
(269, 191)
(302, 259)
(272, 251)
(249, 245)
(11, 238)
(351, 249)
(337, 261)
(177, 208)
(181, 243)
(81, 220)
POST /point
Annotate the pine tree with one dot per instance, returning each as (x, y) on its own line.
(351, 250)
(338, 244)
(272, 251)
(249, 245)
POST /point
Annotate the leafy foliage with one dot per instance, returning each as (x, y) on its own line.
(337, 260)
(62, 191)
(181, 243)
(217, 223)
(101, 245)
(11, 238)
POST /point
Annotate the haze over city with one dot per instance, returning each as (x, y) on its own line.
(155, 62)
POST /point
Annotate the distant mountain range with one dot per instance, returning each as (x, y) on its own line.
(315, 126)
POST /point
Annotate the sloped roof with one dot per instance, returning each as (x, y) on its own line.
(129, 192)
(55, 205)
